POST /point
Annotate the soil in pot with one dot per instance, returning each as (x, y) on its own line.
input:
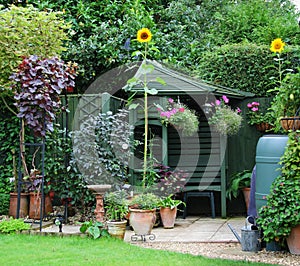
(13, 205)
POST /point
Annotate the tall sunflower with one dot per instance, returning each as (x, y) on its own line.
(277, 45)
(144, 35)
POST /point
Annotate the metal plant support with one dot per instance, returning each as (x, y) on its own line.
(21, 182)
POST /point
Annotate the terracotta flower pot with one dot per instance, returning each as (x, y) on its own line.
(168, 216)
(293, 240)
(117, 229)
(142, 221)
(246, 193)
(14, 204)
(35, 205)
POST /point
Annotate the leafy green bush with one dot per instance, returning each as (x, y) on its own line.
(61, 174)
(282, 211)
(247, 67)
(13, 225)
(4, 203)
(256, 21)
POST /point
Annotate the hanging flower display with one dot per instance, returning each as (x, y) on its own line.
(225, 120)
(180, 116)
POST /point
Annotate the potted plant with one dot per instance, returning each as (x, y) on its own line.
(37, 86)
(13, 203)
(286, 103)
(116, 207)
(168, 210)
(180, 116)
(263, 121)
(279, 219)
(225, 120)
(143, 213)
(240, 181)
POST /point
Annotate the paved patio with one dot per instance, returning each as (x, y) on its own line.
(191, 229)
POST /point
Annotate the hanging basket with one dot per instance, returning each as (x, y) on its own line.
(290, 123)
(263, 126)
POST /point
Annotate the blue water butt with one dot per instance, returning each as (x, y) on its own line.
(269, 149)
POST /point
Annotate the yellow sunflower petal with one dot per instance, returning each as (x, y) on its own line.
(277, 45)
(144, 35)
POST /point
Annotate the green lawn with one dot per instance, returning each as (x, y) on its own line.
(51, 250)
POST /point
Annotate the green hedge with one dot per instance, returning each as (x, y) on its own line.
(4, 203)
(247, 67)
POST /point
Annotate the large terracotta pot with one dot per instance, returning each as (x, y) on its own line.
(117, 229)
(168, 217)
(290, 123)
(246, 193)
(14, 204)
(293, 241)
(35, 205)
(142, 221)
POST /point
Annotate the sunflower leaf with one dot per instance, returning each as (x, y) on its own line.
(161, 81)
(146, 69)
(151, 91)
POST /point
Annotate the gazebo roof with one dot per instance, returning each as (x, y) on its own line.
(179, 83)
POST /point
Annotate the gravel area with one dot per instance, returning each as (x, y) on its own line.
(231, 251)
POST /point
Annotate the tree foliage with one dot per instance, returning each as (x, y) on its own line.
(256, 21)
(26, 31)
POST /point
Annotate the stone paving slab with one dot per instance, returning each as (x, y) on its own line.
(191, 229)
(197, 229)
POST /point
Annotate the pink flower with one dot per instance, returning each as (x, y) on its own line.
(254, 109)
(158, 109)
(225, 99)
(170, 100)
(249, 105)
(168, 114)
(173, 111)
(218, 102)
(181, 109)
(238, 110)
(255, 104)
(163, 114)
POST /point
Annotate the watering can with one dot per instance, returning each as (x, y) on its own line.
(250, 235)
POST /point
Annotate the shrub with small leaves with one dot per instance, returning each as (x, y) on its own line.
(282, 211)
(13, 225)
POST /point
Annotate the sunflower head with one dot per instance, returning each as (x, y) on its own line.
(277, 45)
(144, 35)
